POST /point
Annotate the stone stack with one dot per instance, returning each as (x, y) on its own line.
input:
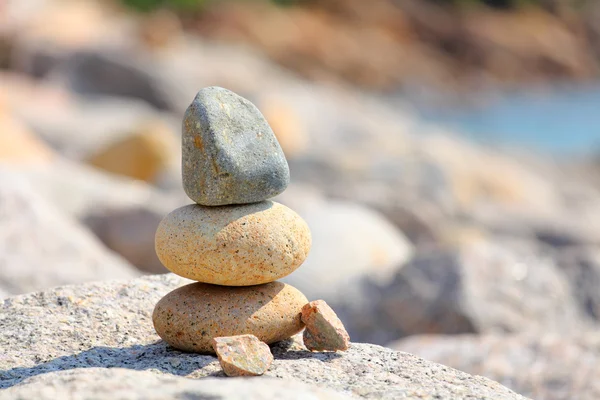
(234, 242)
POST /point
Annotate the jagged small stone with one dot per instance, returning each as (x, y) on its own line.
(230, 154)
(324, 330)
(242, 355)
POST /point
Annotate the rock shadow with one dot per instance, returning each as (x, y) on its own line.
(156, 356)
(289, 350)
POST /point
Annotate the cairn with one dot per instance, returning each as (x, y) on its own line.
(234, 242)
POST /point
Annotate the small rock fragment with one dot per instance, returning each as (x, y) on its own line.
(324, 330)
(229, 152)
(242, 355)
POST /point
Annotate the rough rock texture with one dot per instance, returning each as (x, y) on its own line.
(127, 384)
(233, 245)
(190, 317)
(324, 330)
(242, 355)
(40, 247)
(103, 325)
(230, 155)
(481, 287)
(543, 366)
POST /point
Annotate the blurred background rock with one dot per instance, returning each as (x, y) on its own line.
(444, 154)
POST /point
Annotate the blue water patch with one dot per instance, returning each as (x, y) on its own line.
(563, 120)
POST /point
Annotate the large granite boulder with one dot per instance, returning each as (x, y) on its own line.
(544, 366)
(128, 384)
(70, 336)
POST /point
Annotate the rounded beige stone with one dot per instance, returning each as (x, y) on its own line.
(237, 245)
(189, 318)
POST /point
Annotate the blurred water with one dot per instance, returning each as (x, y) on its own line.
(563, 120)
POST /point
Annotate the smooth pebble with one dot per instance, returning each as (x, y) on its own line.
(190, 317)
(233, 245)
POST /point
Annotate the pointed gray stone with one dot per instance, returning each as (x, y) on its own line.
(230, 154)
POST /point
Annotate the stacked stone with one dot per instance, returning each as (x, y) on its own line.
(234, 242)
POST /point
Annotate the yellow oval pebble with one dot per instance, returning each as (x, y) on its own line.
(237, 245)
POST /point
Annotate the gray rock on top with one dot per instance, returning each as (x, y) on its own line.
(229, 153)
